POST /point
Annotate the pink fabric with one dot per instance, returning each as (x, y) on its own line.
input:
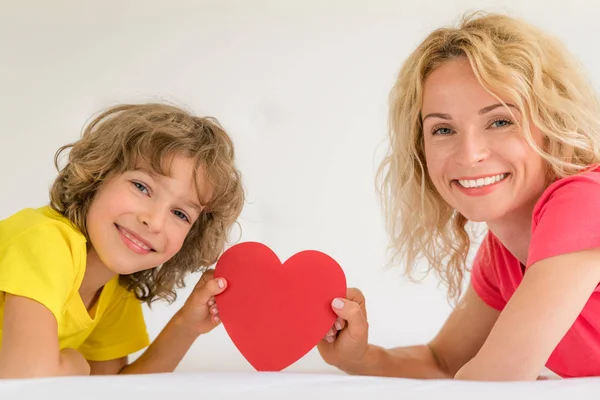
(565, 219)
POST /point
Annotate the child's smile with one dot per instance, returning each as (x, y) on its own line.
(134, 242)
(140, 219)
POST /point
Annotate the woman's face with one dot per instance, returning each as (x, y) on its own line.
(476, 155)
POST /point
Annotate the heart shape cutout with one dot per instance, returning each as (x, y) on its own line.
(275, 313)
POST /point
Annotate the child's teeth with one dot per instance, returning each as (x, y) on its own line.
(134, 240)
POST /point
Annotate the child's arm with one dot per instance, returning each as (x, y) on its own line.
(30, 343)
(198, 315)
(163, 355)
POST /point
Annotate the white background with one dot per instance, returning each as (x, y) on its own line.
(300, 85)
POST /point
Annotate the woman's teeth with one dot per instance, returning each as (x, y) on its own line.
(481, 182)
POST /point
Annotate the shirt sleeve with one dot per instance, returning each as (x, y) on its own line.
(39, 264)
(566, 218)
(484, 277)
(121, 330)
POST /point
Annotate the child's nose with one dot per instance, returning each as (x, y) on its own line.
(154, 219)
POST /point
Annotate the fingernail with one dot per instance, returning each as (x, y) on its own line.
(217, 319)
(337, 303)
(221, 284)
(215, 311)
(211, 302)
(329, 339)
(338, 325)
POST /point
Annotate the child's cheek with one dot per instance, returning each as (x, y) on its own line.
(175, 241)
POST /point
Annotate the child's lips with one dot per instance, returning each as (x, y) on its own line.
(134, 241)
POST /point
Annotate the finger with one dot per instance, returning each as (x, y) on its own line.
(207, 275)
(214, 314)
(328, 337)
(211, 301)
(355, 295)
(337, 326)
(212, 288)
(350, 311)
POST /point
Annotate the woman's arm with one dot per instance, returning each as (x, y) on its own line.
(458, 341)
(541, 311)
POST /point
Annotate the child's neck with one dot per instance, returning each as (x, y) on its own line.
(95, 277)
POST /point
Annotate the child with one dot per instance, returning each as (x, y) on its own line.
(148, 195)
(491, 122)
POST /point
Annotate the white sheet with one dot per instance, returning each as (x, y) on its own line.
(288, 386)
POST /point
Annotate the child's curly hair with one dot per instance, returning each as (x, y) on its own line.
(123, 136)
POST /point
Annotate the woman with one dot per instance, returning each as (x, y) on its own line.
(491, 122)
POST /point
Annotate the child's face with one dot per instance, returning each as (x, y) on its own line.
(477, 156)
(139, 219)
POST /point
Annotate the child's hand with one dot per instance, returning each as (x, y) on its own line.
(200, 310)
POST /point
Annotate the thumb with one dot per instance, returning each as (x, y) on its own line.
(210, 288)
(352, 313)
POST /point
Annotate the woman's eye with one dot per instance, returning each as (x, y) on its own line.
(501, 123)
(442, 131)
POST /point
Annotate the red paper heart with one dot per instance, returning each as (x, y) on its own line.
(275, 313)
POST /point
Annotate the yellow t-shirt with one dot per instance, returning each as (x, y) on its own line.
(43, 257)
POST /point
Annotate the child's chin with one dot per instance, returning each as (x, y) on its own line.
(125, 270)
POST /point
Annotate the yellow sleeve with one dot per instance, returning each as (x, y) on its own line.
(38, 263)
(121, 330)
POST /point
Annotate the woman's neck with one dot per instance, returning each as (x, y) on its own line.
(514, 231)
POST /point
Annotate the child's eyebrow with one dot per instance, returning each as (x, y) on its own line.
(147, 171)
(195, 206)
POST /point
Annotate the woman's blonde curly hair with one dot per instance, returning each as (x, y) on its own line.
(123, 136)
(510, 58)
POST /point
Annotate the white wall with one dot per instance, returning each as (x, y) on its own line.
(300, 85)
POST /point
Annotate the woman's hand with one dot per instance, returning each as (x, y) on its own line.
(345, 345)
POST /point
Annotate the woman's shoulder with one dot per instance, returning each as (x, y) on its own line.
(572, 190)
(566, 217)
(589, 178)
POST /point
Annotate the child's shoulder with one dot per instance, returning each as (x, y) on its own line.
(42, 224)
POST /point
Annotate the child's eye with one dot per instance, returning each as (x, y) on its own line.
(141, 187)
(501, 123)
(181, 215)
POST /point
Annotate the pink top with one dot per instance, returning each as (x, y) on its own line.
(565, 219)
